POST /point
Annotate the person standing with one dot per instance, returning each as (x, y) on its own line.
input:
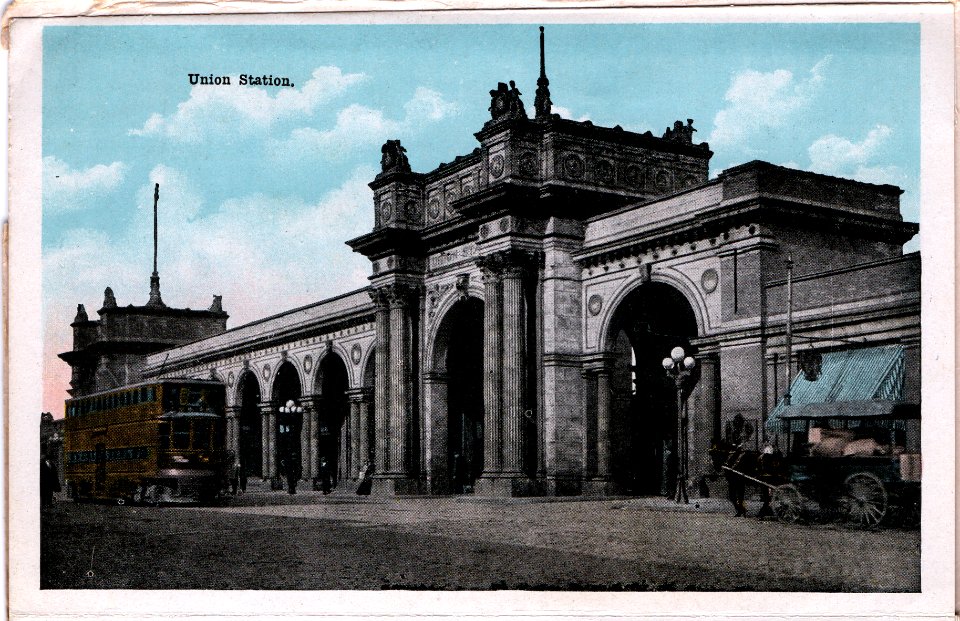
(49, 481)
(325, 484)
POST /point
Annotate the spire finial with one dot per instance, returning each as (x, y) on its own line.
(542, 102)
(155, 299)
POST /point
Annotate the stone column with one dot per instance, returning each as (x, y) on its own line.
(306, 433)
(232, 440)
(399, 372)
(354, 435)
(513, 371)
(314, 415)
(381, 380)
(705, 417)
(435, 405)
(492, 366)
(364, 452)
(268, 438)
(603, 423)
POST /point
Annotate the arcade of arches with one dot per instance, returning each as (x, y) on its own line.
(522, 297)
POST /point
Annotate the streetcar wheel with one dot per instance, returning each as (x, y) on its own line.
(865, 499)
(787, 503)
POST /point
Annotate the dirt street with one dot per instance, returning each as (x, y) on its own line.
(273, 541)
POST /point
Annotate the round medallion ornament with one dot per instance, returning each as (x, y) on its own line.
(633, 175)
(709, 280)
(662, 180)
(496, 165)
(528, 164)
(307, 363)
(355, 353)
(230, 378)
(573, 166)
(604, 171)
(413, 210)
(595, 304)
(433, 208)
(386, 211)
(266, 371)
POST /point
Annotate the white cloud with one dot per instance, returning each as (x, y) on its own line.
(359, 126)
(757, 101)
(215, 110)
(836, 155)
(66, 189)
(567, 113)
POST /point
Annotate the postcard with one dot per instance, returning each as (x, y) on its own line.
(560, 312)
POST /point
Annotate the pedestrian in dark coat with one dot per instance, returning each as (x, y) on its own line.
(49, 481)
(325, 483)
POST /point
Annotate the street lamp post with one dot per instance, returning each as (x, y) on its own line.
(288, 414)
(679, 366)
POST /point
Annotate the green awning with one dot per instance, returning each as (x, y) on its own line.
(851, 383)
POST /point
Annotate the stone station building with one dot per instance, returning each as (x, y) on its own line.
(522, 297)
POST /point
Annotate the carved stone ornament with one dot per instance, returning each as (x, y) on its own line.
(604, 171)
(266, 371)
(463, 285)
(662, 180)
(528, 164)
(356, 353)
(307, 363)
(496, 166)
(595, 304)
(433, 208)
(230, 378)
(709, 280)
(412, 209)
(386, 211)
(573, 166)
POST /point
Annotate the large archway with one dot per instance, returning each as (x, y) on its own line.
(458, 360)
(287, 387)
(250, 424)
(333, 407)
(649, 322)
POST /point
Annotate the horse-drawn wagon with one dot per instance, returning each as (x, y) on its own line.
(857, 460)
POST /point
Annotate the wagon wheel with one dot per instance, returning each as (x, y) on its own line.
(787, 503)
(865, 499)
(152, 495)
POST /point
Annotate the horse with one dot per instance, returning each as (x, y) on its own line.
(767, 466)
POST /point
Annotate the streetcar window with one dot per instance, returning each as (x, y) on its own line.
(151, 394)
(181, 434)
(201, 434)
(164, 432)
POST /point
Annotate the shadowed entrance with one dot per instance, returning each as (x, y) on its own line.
(457, 395)
(648, 323)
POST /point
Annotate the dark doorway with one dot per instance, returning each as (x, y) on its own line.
(333, 408)
(463, 329)
(648, 324)
(250, 438)
(286, 387)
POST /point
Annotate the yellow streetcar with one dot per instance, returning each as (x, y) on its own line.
(148, 443)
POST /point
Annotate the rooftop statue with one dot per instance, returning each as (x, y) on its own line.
(680, 132)
(505, 102)
(394, 158)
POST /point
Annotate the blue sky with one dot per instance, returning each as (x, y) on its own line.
(261, 186)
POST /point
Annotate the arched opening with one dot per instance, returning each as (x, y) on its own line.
(333, 408)
(250, 423)
(649, 322)
(287, 387)
(458, 360)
